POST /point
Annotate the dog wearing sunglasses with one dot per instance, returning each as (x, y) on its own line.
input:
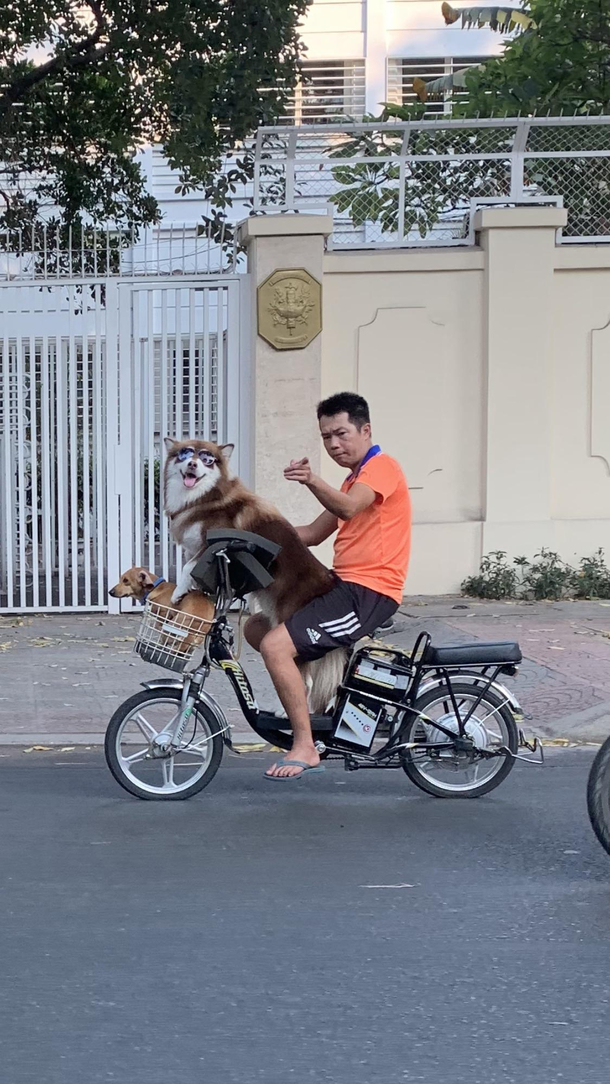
(200, 494)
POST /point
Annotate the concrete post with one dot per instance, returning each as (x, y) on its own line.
(519, 244)
(376, 53)
(285, 384)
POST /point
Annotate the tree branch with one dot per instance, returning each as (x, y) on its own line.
(81, 54)
(98, 12)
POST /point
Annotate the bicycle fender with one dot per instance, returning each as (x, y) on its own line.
(163, 683)
(505, 693)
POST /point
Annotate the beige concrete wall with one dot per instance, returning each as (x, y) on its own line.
(580, 475)
(405, 330)
(581, 354)
(488, 375)
(487, 370)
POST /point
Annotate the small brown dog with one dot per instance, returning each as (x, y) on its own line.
(139, 583)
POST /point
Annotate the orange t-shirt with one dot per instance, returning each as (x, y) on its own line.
(373, 548)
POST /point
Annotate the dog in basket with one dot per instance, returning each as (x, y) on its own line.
(141, 584)
(200, 495)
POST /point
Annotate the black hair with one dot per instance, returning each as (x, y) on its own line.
(346, 402)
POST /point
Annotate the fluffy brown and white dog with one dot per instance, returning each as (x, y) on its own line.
(199, 495)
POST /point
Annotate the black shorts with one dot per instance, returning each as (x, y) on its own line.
(338, 619)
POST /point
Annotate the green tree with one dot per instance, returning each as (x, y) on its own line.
(84, 83)
(557, 61)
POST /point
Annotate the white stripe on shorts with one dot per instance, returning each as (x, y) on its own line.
(347, 619)
(349, 626)
(344, 632)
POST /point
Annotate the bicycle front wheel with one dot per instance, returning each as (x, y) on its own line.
(130, 751)
(598, 795)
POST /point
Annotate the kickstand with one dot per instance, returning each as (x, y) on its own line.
(533, 746)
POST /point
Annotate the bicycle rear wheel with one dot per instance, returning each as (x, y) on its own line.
(598, 795)
(447, 773)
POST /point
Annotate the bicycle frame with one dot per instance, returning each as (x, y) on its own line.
(218, 653)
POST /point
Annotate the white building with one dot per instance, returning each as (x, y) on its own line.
(360, 54)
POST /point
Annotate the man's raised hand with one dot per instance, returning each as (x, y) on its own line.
(299, 470)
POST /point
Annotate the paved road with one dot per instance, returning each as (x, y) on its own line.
(239, 937)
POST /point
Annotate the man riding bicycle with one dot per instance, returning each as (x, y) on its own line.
(372, 512)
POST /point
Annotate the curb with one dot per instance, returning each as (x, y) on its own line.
(53, 741)
(56, 741)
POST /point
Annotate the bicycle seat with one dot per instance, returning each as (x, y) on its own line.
(250, 559)
(477, 654)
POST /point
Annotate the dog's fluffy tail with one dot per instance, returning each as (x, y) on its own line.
(322, 676)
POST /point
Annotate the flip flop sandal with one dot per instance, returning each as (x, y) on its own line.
(317, 768)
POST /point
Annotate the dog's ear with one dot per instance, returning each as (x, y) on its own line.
(170, 443)
(227, 450)
(145, 578)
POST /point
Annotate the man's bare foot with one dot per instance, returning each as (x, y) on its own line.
(307, 753)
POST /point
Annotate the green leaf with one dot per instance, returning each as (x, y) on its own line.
(444, 84)
(344, 200)
(503, 19)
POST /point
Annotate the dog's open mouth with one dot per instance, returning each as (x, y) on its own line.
(190, 480)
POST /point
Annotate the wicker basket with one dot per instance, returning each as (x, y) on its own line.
(168, 637)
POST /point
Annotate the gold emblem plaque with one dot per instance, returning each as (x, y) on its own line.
(290, 309)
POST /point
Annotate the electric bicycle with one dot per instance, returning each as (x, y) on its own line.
(437, 713)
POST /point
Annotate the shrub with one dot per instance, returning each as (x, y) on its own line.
(546, 577)
(593, 578)
(496, 578)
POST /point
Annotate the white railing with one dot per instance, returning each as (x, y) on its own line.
(402, 184)
(49, 252)
(93, 375)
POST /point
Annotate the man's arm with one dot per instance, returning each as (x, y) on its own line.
(340, 505)
(318, 531)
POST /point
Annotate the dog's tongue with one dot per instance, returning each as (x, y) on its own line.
(189, 480)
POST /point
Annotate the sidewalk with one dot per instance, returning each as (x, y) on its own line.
(62, 676)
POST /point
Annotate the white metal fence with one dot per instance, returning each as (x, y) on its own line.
(51, 252)
(93, 375)
(403, 184)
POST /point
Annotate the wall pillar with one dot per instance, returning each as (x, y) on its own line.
(375, 55)
(519, 244)
(285, 385)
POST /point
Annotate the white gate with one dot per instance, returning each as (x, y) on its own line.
(93, 375)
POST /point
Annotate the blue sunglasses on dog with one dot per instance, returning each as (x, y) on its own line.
(207, 458)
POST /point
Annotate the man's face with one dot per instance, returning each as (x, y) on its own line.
(344, 442)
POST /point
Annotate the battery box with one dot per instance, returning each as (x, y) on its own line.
(380, 672)
(356, 721)
(377, 679)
